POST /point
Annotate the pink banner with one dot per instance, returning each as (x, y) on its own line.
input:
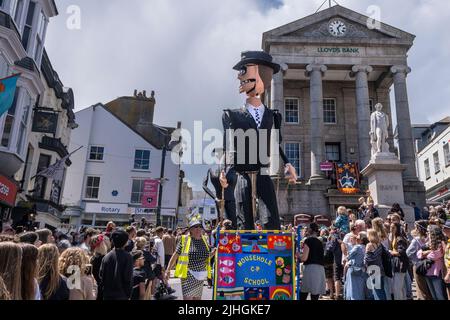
(150, 194)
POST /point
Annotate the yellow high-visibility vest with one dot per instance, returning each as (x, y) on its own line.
(181, 269)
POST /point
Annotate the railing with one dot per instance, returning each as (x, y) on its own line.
(54, 144)
(43, 205)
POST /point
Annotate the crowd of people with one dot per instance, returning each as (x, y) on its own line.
(109, 264)
(362, 256)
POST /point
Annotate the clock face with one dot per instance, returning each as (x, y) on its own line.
(337, 28)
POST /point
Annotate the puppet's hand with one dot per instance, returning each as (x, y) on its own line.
(291, 173)
(223, 180)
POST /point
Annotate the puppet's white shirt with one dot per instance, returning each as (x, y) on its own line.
(256, 112)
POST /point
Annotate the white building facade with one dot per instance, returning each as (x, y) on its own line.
(23, 26)
(106, 178)
(434, 167)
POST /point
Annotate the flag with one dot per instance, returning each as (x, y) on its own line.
(7, 92)
(55, 171)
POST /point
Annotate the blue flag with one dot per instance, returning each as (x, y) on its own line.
(7, 92)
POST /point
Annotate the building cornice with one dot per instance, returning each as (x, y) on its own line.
(49, 7)
(30, 80)
(11, 45)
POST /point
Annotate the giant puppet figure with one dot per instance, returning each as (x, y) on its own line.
(247, 143)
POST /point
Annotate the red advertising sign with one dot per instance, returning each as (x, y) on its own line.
(150, 194)
(326, 166)
(8, 191)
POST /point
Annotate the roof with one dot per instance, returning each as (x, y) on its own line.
(27, 63)
(300, 29)
(53, 81)
(157, 136)
(445, 120)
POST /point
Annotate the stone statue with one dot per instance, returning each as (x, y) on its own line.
(379, 123)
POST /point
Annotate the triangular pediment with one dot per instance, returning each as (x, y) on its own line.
(353, 30)
(357, 26)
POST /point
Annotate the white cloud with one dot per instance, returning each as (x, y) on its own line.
(184, 50)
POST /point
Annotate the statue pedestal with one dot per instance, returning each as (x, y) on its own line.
(384, 174)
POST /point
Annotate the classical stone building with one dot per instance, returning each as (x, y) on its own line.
(335, 67)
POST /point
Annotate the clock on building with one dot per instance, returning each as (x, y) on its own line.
(337, 28)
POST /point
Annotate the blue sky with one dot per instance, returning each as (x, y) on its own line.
(184, 50)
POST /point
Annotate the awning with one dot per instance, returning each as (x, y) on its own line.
(440, 197)
(8, 191)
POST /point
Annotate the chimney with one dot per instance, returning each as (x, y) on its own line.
(145, 106)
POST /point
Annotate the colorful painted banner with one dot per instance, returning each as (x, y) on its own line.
(7, 92)
(347, 177)
(255, 265)
(150, 194)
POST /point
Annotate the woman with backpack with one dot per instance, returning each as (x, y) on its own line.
(420, 239)
(400, 262)
(373, 260)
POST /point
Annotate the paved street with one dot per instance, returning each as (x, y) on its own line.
(176, 284)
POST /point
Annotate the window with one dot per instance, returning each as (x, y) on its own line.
(96, 153)
(447, 154)
(426, 165)
(291, 110)
(371, 106)
(41, 24)
(18, 12)
(333, 152)
(292, 151)
(23, 124)
(136, 190)
(329, 111)
(28, 25)
(9, 121)
(200, 210)
(40, 183)
(142, 160)
(92, 187)
(55, 195)
(437, 165)
(212, 211)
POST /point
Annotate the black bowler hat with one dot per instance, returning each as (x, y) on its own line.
(257, 57)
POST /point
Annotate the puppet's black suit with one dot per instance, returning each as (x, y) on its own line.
(230, 204)
(267, 201)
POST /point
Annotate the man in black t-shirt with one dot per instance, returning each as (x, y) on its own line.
(116, 270)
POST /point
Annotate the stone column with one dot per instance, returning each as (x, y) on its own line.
(315, 72)
(276, 102)
(405, 138)
(276, 90)
(360, 73)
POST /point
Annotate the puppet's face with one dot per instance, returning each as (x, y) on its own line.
(251, 82)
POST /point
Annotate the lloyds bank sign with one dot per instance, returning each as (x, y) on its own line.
(337, 50)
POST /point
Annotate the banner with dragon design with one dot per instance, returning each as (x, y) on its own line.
(347, 177)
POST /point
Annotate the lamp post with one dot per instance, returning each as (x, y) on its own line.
(160, 191)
